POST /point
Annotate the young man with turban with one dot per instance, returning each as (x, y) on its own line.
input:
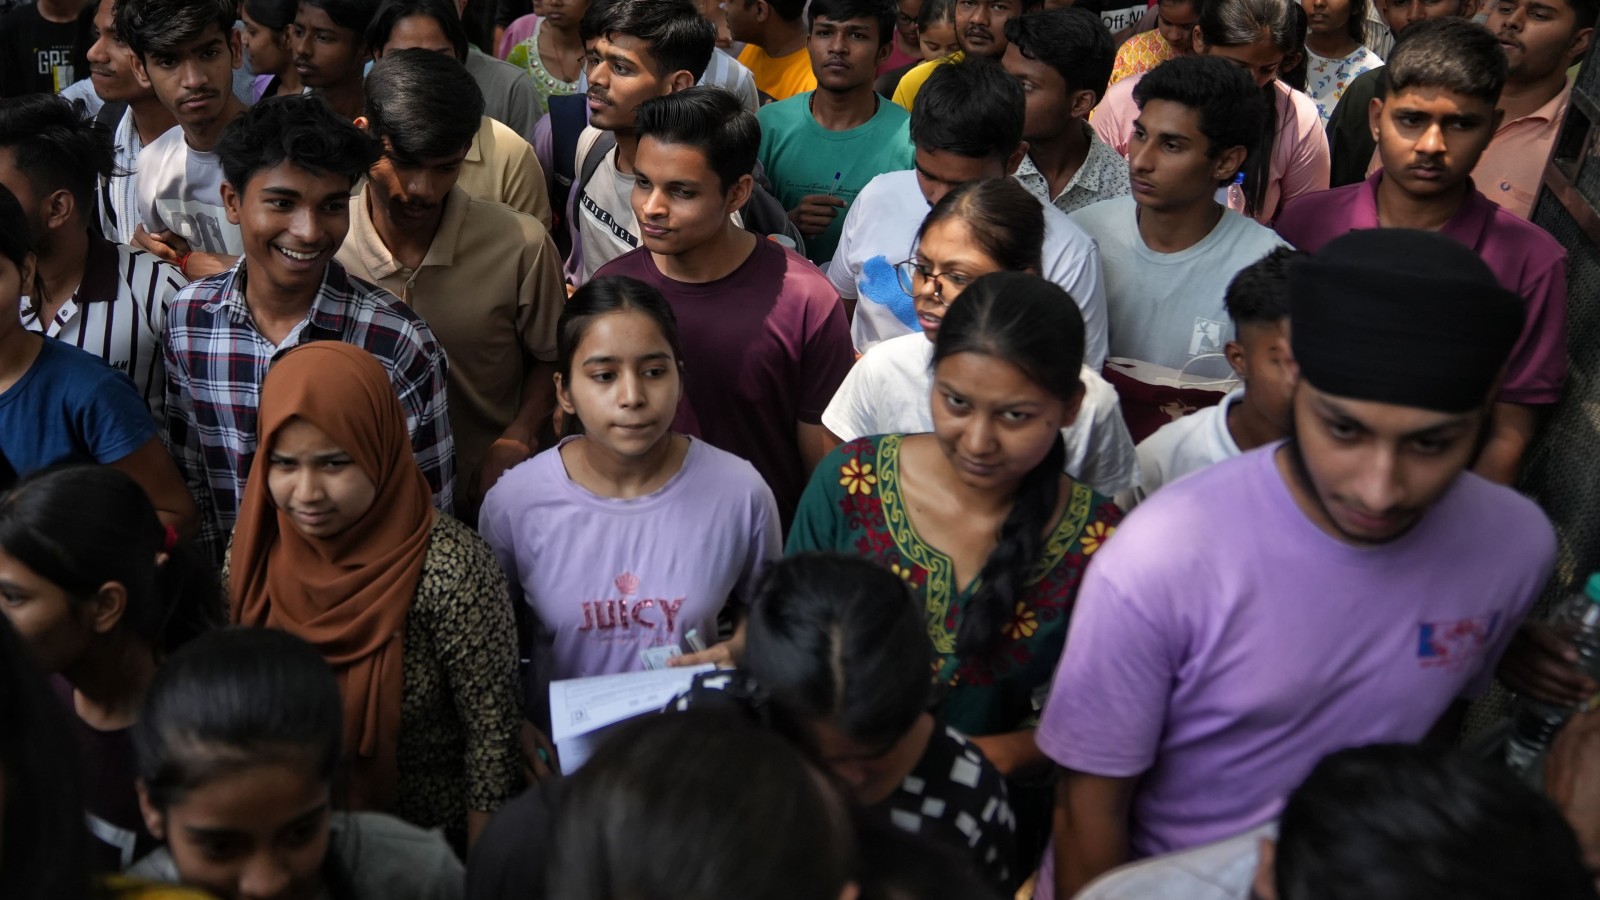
(1365, 579)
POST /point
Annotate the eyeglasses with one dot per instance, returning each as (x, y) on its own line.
(914, 276)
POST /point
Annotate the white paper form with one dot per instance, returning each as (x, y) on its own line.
(581, 708)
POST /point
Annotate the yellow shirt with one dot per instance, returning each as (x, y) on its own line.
(1140, 54)
(912, 81)
(779, 77)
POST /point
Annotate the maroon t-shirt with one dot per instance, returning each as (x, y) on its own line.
(764, 348)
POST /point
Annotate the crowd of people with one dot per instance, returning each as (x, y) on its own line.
(1077, 464)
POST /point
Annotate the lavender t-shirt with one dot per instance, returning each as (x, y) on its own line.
(607, 578)
(1222, 663)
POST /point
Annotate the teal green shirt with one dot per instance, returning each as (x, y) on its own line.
(803, 158)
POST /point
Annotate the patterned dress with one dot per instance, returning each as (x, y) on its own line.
(460, 709)
(1140, 54)
(854, 505)
(1327, 78)
(525, 56)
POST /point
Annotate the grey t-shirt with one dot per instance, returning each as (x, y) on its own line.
(384, 858)
(1167, 308)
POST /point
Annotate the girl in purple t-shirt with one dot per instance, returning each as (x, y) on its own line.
(626, 537)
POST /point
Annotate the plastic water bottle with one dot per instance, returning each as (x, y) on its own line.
(1578, 620)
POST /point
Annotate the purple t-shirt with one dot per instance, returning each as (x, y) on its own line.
(607, 578)
(764, 348)
(1222, 663)
(1523, 256)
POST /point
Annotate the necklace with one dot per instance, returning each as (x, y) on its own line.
(553, 80)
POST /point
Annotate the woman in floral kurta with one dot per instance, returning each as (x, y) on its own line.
(854, 505)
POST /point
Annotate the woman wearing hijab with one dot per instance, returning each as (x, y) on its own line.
(338, 543)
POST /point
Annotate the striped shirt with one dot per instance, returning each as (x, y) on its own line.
(118, 313)
(119, 204)
(216, 361)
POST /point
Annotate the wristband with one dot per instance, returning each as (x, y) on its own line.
(183, 263)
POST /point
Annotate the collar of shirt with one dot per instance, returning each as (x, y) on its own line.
(102, 272)
(1091, 175)
(331, 309)
(1466, 226)
(1553, 110)
(375, 254)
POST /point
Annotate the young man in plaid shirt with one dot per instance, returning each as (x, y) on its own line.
(289, 165)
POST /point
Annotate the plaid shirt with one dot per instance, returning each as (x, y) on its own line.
(216, 361)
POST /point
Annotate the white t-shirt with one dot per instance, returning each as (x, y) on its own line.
(604, 209)
(879, 231)
(1224, 870)
(1167, 308)
(887, 392)
(180, 189)
(1182, 446)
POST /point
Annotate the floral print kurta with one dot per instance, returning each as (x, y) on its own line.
(853, 505)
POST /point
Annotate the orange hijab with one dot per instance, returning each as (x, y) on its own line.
(346, 595)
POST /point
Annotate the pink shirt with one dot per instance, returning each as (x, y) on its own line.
(1300, 160)
(1511, 167)
(1523, 256)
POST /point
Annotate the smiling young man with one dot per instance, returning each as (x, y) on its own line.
(1541, 39)
(329, 40)
(967, 127)
(1061, 57)
(980, 30)
(1438, 115)
(291, 163)
(763, 332)
(111, 72)
(1349, 600)
(1170, 249)
(186, 50)
(638, 49)
(487, 279)
(775, 43)
(822, 147)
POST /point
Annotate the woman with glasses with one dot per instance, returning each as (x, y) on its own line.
(977, 228)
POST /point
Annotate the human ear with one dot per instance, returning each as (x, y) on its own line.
(59, 208)
(107, 607)
(564, 395)
(1229, 163)
(231, 201)
(1081, 103)
(154, 821)
(1234, 351)
(739, 194)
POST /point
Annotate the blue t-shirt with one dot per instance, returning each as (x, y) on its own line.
(70, 407)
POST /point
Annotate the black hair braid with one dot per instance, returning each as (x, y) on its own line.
(1012, 561)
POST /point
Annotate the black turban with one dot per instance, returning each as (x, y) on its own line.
(1411, 318)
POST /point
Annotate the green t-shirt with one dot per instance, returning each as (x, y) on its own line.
(803, 158)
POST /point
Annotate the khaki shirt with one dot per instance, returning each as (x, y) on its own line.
(501, 167)
(490, 288)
